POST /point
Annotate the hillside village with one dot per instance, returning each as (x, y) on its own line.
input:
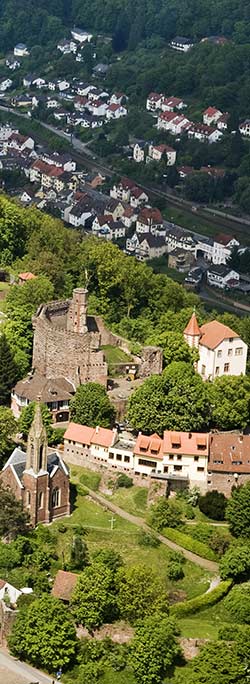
(124, 354)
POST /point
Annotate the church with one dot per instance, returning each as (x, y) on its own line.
(38, 478)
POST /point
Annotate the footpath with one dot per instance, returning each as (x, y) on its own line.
(212, 566)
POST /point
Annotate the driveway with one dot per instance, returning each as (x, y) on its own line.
(12, 671)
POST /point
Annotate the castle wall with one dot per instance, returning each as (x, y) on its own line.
(224, 482)
(150, 362)
(58, 352)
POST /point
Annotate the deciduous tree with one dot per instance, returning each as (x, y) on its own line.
(91, 406)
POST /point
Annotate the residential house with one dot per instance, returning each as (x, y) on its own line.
(67, 46)
(244, 127)
(181, 43)
(154, 102)
(122, 189)
(97, 94)
(21, 50)
(185, 458)
(222, 122)
(138, 197)
(139, 151)
(169, 104)
(204, 133)
(77, 214)
(6, 131)
(177, 237)
(19, 142)
(97, 107)
(60, 114)
(114, 208)
(81, 36)
(150, 221)
(62, 161)
(148, 454)
(52, 103)
(23, 100)
(181, 260)
(101, 70)
(88, 443)
(194, 278)
(106, 227)
(9, 593)
(222, 248)
(24, 277)
(118, 98)
(62, 84)
(56, 393)
(12, 62)
(211, 115)
(229, 463)
(84, 89)
(151, 246)
(157, 152)
(5, 84)
(222, 277)
(221, 350)
(116, 111)
(129, 217)
(80, 103)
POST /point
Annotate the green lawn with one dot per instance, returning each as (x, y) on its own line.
(205, 624)
(133, 500)
(115, 354)
(95, 521)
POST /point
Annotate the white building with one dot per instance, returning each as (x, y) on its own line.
(221, 276)
(244, 127)
(211, 116)
(21, 50)
(185, 456)
(217, 250)
(157, 152)
(221, 350)
(181, 44)
(139, 152)
(81, 36)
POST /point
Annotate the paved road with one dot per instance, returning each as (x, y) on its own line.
(22, 670)
(135, 520)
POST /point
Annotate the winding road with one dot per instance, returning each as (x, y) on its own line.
(24, 672)
(139, 522)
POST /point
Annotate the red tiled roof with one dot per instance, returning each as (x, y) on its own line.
(26, 276)
(229, 453)
(187, 443)
(163, 148)
(210, 111)
(148, 215)
(79, 433)
(154, 96)
(64, 585)
(213, 333)
(102, 437)
(192, 327)
(151, 447)
(223, 239)
(113, 107)
(168, 116)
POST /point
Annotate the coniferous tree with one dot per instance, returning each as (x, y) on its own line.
(8, 371)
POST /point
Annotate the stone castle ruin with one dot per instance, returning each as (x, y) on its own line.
(67, 343)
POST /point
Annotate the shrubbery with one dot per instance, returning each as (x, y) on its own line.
(188, 543)
(198, 603)
(238, 603)
(235, 564)
(124, 481)
(213, 504)
(165, 513)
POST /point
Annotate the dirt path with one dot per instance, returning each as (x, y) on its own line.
(135, 520)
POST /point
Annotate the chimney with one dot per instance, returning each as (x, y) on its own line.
(97, 429)
(190, 435)
(241, 438)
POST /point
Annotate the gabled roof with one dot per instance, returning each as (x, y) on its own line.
(210, 111)
(27, 276)
(192, 327)
(229, 453)
(187, 443)
(64, 585)
(149, 446)
(150, 215)
(213, 333)
(83, 434)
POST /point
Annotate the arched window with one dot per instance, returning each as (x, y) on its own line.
(55, 501)
(27, 498)
(41, 457)
(40, 500)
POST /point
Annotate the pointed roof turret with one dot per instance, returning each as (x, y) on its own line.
(36, 456)
(192, 329)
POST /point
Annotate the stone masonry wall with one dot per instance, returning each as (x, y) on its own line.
(224, 482)
(57, 352)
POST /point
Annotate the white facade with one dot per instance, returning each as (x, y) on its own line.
(21, 50)
(228, 358)
(244, 128)
(156, 152)
(138, 153)
(81, 36)
(217, 279)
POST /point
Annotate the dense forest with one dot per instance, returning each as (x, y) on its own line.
(39, 21)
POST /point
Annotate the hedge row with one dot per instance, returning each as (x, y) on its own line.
(189, 543)
(198, 603)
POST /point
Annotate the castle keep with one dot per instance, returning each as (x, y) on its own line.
(67, 342)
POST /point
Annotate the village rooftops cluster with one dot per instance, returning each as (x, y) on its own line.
(206, 460)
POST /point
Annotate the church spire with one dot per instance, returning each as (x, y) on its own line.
(192, 331)
(36, 457)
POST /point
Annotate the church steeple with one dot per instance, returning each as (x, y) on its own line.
(192, 331)
(36, 455)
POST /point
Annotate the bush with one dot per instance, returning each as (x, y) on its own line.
(56, 437)
(235, 564)
(219, 542)
(238, 603)
(124, 481)
(175, 571)
(213, 504)
(238, 511)
(189, 512)
(177, 557)
(188, 543)
(165, 513)
(62, 528)
(198, 603)
(147, 539)
(202, 532)
(233, 631)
